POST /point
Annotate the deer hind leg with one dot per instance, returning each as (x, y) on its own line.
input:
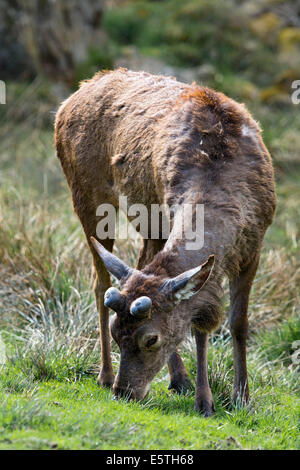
(102, 283)
(179, 379)
(238, 321)
(87, 215)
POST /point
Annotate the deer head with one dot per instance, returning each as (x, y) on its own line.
(147, 324)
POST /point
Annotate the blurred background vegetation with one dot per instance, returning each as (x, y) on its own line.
(248, 49)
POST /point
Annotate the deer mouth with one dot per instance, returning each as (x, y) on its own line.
(128, 393)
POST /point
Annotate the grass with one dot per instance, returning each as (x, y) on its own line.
(65, 409)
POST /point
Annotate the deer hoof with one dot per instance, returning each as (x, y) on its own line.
(205, 406)
(106, 379)
(181, 385)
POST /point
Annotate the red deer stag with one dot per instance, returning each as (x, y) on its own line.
(158, 141)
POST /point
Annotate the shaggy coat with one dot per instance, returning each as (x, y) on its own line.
(159, 141)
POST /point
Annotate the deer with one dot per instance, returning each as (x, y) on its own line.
(158, 141)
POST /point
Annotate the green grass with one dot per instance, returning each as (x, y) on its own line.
(70, 411)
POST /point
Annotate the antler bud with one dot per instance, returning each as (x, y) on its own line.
(113, 299)
(141, 307)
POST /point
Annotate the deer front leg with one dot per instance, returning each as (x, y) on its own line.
(239, 329)
(204, 399)
(238, 320)
(179, 379)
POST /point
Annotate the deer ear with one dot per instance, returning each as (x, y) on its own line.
(113, 264)
(187, 284)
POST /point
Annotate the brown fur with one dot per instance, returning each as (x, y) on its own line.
(156, 140)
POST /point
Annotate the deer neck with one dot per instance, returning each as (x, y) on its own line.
(191, 240)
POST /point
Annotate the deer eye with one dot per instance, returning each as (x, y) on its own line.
(151, 341)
